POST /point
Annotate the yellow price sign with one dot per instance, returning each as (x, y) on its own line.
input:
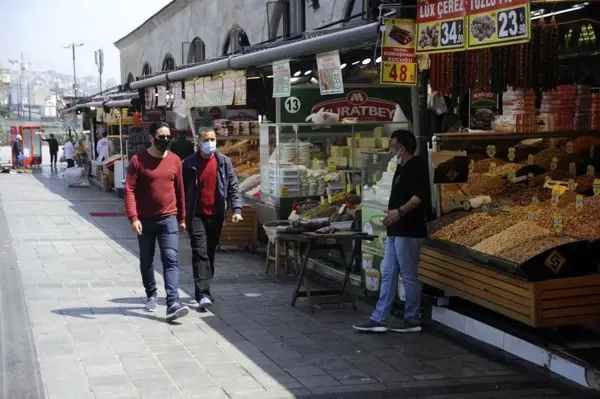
(329, 200)
(398, 56)
(491, 150)
(559, 224)
(596, 187)
(283, 191)
(348, 188)
(358, 189)
(496, 23)
(512, 152)
(579, 203)
(331, 165)
(511, 175)
(357, 135)
(492, 169)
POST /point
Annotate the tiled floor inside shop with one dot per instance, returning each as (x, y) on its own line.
(83, 299)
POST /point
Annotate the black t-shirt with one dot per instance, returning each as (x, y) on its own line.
(410, 180)
(52, 145)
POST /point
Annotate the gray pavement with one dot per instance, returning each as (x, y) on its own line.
(87, 336)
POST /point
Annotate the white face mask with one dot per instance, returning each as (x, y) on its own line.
(208, 147)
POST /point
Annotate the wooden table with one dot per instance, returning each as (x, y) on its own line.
(311, 241)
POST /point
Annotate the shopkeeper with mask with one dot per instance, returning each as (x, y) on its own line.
(155, 206)
(210, 186)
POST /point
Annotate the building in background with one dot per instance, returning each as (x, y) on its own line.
(190, 31)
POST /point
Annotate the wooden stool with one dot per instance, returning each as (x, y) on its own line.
(277, 252)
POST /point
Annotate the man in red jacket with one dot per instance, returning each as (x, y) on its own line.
(155, 206)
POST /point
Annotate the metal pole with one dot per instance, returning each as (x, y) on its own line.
(29, 98)
(74, 72)
(121, 143)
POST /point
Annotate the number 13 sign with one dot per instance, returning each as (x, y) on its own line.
(398, 57)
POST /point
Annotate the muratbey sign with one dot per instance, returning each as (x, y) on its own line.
(358, 104)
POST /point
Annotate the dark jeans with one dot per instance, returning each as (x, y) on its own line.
(70, 163)
(204, 232)
(53, 157)
(166, 231)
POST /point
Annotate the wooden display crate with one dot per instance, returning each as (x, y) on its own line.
(244, 233)
(559, 302)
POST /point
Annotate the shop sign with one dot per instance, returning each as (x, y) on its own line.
(239, 84)
(176, 94)
(358, 104)
(440, 26)
(190, 92)
(200, 93)
(282, 86)
(228, 89)
(214, 91)
(497, 23)
(149, 93)
(398, 57)
(116, 115)
(5, 77)
(484, 105)
(330, 73)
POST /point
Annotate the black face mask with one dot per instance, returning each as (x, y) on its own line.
(161, 144)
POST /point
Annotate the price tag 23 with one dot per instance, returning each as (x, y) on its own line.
(596, 187)
(559, 224)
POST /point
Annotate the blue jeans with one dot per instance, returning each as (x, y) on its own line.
(401, 256)
(166, 231)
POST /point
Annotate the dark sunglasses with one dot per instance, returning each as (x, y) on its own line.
(168, 138)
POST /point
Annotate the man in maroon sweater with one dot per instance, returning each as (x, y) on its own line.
(155, 205)
(210, 186)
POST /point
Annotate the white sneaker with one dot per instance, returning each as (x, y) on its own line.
(205, 303)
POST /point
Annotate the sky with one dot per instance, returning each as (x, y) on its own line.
(40, 29)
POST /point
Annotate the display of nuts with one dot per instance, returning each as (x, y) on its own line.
(510, 238)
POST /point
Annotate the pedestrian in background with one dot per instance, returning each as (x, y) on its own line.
(17, 149)
(182, 147)
(102, 148)
(210, 185)
(406, 223)
(69, 151)
(155, 206)
(53, 148)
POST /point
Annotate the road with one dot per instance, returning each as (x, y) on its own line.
(72, 323)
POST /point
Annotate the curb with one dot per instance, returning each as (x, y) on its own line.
(525, 350)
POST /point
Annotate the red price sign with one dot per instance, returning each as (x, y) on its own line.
(398, 58)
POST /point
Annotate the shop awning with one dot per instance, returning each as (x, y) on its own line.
(347, 38)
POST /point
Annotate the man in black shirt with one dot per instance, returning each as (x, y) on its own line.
(182, 147)
(406, 229)
(53, 147)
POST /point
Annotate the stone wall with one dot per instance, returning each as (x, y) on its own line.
(171, 30)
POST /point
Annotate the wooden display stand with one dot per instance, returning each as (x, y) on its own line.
(550, 303)
(244, 233)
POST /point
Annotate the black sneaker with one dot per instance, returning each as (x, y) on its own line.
(405, 327)
(370, 326)
(176, 311)
(151, 304)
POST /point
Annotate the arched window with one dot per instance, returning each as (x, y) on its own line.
(196, 52)
(356, 7)
(146, 69)
(235, 40)
(168, 63)
(130, 78)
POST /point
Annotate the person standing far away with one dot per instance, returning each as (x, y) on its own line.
(210, 184)
(102, 148)
(17, 149)
(155, 206)
(406, 229)
(70, 153)
(182, 147)
(53, 148)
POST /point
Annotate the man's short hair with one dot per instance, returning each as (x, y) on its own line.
(155, 126)
(406, 139)
(104, 134)
(203, 130)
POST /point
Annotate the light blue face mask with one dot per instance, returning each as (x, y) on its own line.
(208, 147)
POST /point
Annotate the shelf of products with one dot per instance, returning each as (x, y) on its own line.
(526, 216)
(305, 160)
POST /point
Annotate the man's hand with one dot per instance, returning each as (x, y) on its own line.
(136, 227)
(392, 217)
(236, 218)
(182, 227)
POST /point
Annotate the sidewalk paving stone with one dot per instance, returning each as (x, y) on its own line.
(93, 339)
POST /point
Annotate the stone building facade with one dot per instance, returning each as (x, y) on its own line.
(188, 31)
